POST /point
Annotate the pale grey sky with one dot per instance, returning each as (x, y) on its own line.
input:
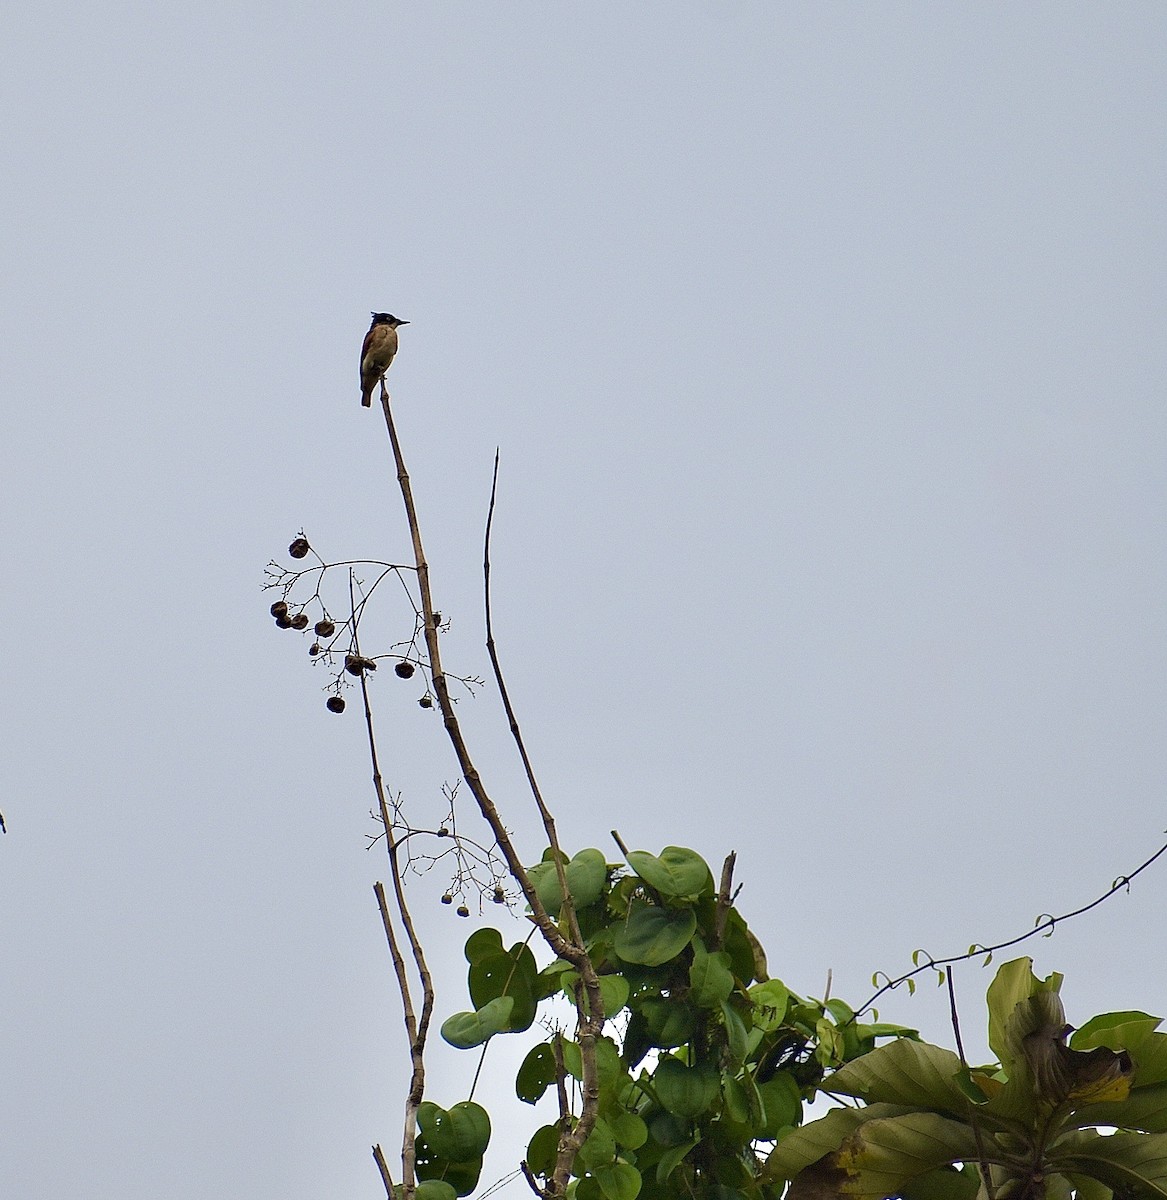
(824, 347)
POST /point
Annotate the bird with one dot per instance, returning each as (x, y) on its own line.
(377, 352)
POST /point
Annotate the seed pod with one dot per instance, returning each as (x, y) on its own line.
(283, 622)
(447, 898)
(279, 608)
(335, 704)
(437, 619)
(314, 649)
(325, 629)
(499, 896)
(426, 702)
(404, 669)
(300, 621)
(443, 832)
(299, 548)
(463, 911)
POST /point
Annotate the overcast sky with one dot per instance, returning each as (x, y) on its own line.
(824, 346)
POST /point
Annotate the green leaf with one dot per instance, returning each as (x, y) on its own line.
(1115, 1031)
(435, 1189)
(618, 1181)
(710, 978)
(771, 999)
(468, 1029)
(586, 874)
(945, 1183)
(614, 990)
(781, 1103)
(536, 1074)
(1013, 983)
(798, 1150)
(904, 1072)
(512, 974)
(653, 935)
(459, 1134)
(482, 943)
(686, 1091)
(599, 1148)
(1133, 1164)
(736, 1034)
(671, 1159)
(678, 873)
(542, 1149)
(628, 1129)
(668, 1023)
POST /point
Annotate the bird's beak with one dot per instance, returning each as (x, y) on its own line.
(402, 322)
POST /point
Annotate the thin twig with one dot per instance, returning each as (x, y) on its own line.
(982, 1161)
(383, 1167)
(1045, 925)
(416, 1029)
(590, 1016)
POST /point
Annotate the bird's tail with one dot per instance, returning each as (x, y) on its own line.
(367, 398)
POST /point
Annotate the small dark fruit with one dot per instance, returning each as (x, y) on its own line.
(463, 911)
(405, 670)
(299, 548)
(447, 898)
(355, 664)
(426, 702)
(325, 629)
(335, 704)
(314, 649)
(499, 896)
(279, 608)
(443, 832)
(300, 621)
(283, 622)
(437, 619)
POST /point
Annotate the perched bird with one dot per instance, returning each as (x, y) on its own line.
(377, 353)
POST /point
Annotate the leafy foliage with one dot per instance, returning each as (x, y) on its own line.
(705, 1060)
(933, 1129)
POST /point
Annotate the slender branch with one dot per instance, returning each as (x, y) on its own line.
(982, 1160)
(590, 1016)
(1045, 925)
(417, 1029)
(383, 1167)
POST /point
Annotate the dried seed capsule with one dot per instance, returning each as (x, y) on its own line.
(300, 621)
(426, 702)
(499, 896)
(447, 898)
(279, 608)
(404, 669)
(443, 832)
(314, 649)
(283, 622)
(325, 629)
(463, 911)
(335, 704)
(299, 548)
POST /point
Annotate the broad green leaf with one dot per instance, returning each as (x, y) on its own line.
(1145, 1109)
(671, 1159)
(1115, 1031)
(771, 999)
(542, 1149)
(435, 1189)
(458, 1134)
(736, 1103)
(945, 1183)
(1013, 983)
(668, 1023)
(1133, 1164)
(882, 1155)
(482, 943)
(628, 1129)
(512, 974)
(781, 1103)
(686, 1091)
(467, 1029)
(1151, 1061)
(737, 1036)
(600, 1146)
(618, 1181)
(536, 1074)
(586, 874)
(677, 873)
(613, 990)
(807, 1145)
(903, 1072)
(653, 935)
(710, 978)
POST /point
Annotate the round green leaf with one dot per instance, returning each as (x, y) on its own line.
(782, 1102)
(653, 935)
(435, 1189)
(710, 978)
(599, 1148)
(686, 1091)
(460, 1134)
(536, 1074)
(628, 1129)
(542, 1148)
(618, 1181)
(481, 943)
(468, 1029)
(586, 874)
(676, 873)
(511, 974)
